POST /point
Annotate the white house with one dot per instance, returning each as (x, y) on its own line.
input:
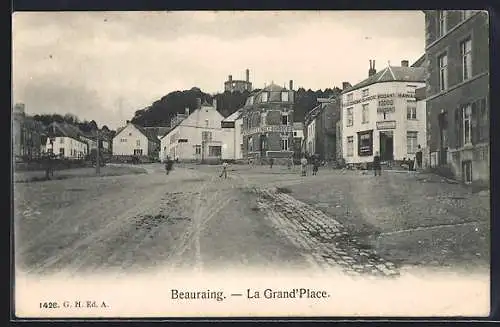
(381, 114)
(135, 140)
(232, 133)
(311, 136)
(199, 136)
(66, 141)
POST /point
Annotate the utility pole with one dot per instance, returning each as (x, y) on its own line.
(98, 161)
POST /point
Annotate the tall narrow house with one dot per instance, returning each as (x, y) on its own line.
(458, 91)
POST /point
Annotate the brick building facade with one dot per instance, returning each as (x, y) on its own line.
(268, 123)
(458, 91)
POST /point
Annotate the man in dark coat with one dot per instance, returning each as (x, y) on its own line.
(418, 157)
(377, 169)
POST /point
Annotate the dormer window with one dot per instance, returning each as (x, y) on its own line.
(265, 96)
(284, 96)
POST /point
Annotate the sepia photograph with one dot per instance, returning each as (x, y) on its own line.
(191, 164)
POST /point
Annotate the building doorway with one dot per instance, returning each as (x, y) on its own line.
(386, 146)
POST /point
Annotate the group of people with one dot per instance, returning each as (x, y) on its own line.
(414, 164)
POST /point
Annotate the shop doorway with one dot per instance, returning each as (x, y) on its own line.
(386, 146)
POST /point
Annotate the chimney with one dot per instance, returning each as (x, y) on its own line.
(404, 63)
(214, 103)
(186, 111)
(230, 78)
(198, 101)
(248, 75)
(291, 85)
(372, 71)
(346, 85)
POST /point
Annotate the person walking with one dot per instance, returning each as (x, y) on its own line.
(224, 170)
(168, 165)
(303, 166)
(315, 166)
(418, 157)
(377, 169)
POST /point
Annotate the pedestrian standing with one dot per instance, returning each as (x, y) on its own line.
(315, 166)
(418, 157)
(271, 162)
(377, 169)
(224, 170)
(303, 166)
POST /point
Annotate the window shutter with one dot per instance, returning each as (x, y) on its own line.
(483, 121)
(458, 127)
(474, 122)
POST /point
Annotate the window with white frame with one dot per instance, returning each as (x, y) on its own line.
(466, 53)
(123, 140)
(284, 144)
(443, 72)
(349, 97)
(442, 23)
(264, 97)
(284, 96)
(349, 116)
(197, 149)
(365, 114)
(61, 140)
(467, 126)
(364, 93)
(138, 142)
(250, 144)
(411, 110)
(350, 146)
(411, 142)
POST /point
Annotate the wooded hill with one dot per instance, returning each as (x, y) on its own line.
(161, 111)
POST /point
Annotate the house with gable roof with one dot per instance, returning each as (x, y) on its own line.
(381, 114)
(135, 140)
(66, 141)
(232, 129)
(196, 137)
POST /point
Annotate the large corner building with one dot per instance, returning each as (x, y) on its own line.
(268, 123)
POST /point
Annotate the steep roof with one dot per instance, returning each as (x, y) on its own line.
(392, 74)
(64, 130)
(234, 116)
(150, 134)
(420, 61)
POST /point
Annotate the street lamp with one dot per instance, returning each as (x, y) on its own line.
(98, 163)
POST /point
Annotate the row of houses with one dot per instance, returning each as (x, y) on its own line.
(31, 139)
(440, 104)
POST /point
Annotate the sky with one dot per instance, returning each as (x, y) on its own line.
(106, 65)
